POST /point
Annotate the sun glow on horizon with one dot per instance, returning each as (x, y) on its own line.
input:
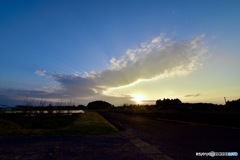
(138, 98)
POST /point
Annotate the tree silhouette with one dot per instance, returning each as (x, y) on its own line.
(99, 105)
(168, 102)
(234, 104)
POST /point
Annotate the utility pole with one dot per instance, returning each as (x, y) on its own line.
(225, 100)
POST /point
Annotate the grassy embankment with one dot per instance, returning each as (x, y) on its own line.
(90, 123)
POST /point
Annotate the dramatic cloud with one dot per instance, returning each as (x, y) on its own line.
(75, 85)
(158, 58)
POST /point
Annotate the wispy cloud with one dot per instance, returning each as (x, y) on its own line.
(192, 95)
(40, 73)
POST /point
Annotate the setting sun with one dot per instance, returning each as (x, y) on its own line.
(138, 98)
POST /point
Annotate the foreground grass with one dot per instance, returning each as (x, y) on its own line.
(90, 123)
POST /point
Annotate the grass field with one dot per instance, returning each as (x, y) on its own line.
(90, 123)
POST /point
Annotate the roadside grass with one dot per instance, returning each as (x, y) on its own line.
(90, 123)
(10, 128)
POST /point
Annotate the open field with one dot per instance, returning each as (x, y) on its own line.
(90, 123)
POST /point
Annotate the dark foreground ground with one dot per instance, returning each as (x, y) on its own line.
(179, 140)
(140, 138)
(68, 148)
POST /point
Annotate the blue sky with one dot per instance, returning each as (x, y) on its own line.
(119, 50)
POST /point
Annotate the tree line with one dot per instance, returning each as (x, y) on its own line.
(165, 103)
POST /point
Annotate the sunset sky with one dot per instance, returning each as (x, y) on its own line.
(120, 51)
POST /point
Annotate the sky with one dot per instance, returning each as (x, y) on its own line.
(119, 51)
